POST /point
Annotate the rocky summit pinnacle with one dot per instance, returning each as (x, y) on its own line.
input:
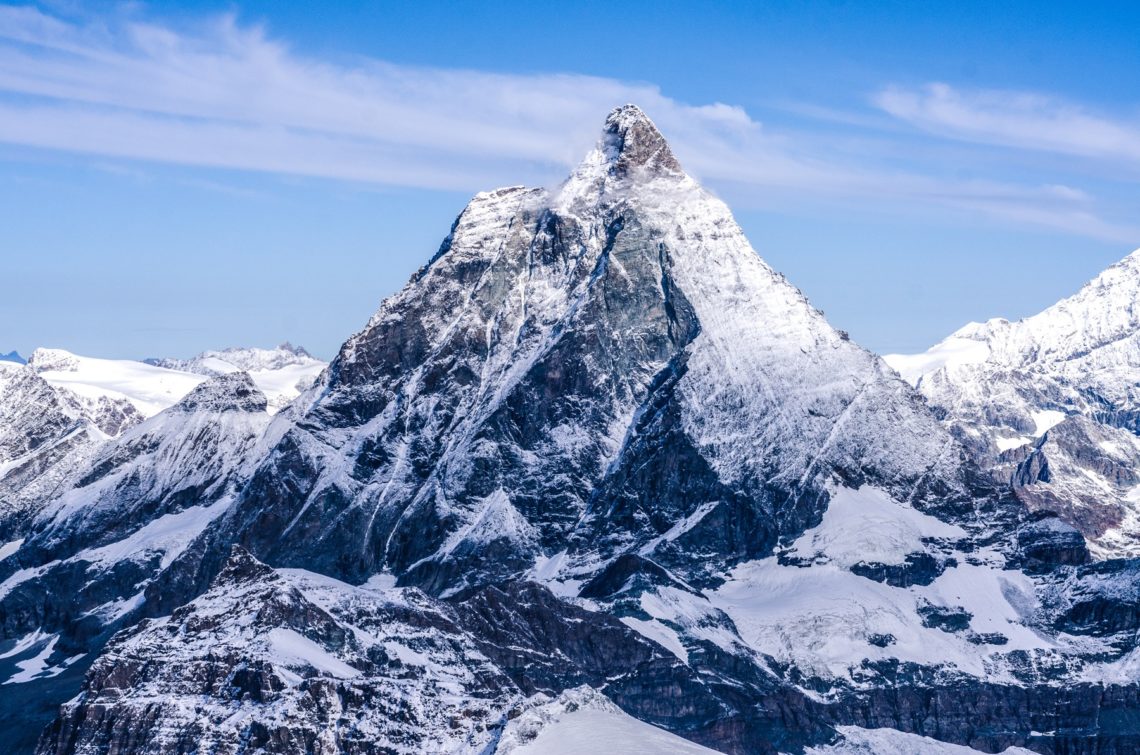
(632, 140)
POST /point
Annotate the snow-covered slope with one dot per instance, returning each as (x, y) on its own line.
(148, 388)
(858, 741)
(581, 721)
(1052, 403)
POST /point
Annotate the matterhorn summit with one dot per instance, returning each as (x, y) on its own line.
(579, 372)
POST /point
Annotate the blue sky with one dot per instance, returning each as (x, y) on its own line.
(183, 176)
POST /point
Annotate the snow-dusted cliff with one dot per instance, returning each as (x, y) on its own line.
(1052, 403)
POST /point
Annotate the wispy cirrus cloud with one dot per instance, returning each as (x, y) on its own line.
(1024, 120)
(221, 95)
(226, 96)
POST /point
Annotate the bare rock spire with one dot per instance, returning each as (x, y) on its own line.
(631, 140)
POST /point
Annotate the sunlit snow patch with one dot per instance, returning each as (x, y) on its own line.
(826, 620)
(858, 741)
(584, 722)
(867, 525)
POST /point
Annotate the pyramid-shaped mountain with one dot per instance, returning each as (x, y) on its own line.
(575, 374)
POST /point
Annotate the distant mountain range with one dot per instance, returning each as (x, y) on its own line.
(598, 477)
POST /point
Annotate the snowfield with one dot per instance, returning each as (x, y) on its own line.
(150, 388)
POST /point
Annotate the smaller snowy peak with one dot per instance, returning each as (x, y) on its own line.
(578, 720)
(12, 356)
(248, 359)
(53, 360)
(1049, 403)
(968, 345)
(242, 568)
(1094, 329)
(282, 373)
(233, 392)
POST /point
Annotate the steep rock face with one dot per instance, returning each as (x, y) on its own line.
(32, 415)
(291, 661)
(286, 664)
(582, 370)
(1050, 404)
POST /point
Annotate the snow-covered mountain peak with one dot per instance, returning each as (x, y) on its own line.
(630, 153)
(513, 388)
(299, 351)
(1069, 370)
(234, 391)
(1095, 329)
(54, 360)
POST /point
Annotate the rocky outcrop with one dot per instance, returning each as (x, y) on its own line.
(39, 427)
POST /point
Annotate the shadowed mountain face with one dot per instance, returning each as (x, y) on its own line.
(595, 441)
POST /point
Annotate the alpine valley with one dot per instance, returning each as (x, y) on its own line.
(597, 479)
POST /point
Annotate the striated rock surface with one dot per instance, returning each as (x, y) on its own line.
(121, 514)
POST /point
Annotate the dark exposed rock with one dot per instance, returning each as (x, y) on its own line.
(945, 618)
(917, 569)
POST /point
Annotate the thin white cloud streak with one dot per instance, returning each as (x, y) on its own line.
(225, 96)
(1014, 119)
